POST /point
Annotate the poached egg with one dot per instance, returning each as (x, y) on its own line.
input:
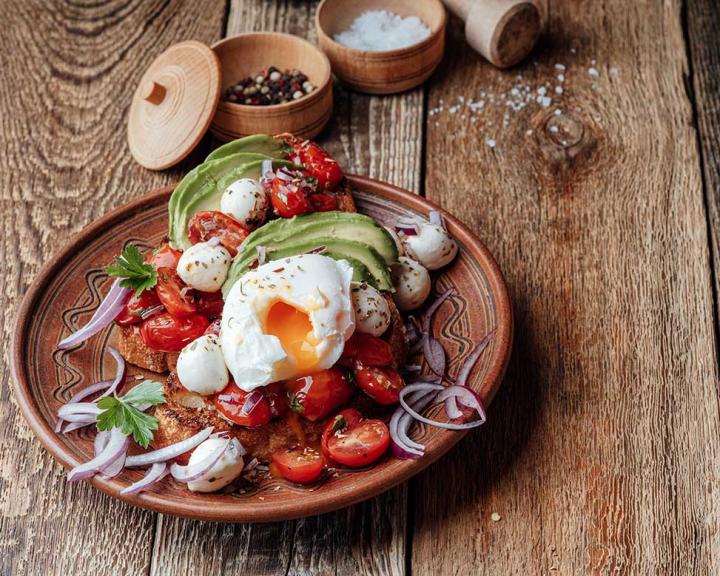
(287, 318)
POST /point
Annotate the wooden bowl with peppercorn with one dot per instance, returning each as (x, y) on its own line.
(271, 83)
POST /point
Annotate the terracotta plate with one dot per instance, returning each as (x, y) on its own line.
(71, 286)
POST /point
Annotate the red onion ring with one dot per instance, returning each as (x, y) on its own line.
(68, 411)
(434, 355)
(152, 311)
(116, 446)
(156, 472)
(430, 312)
(466, 397)
(77, 424)
(192, 472)
(251, 401)
(446, 425)
(112, 470)
(437, 218)
(473, 358)
(109, 308)
(400, 422)
(169, 452)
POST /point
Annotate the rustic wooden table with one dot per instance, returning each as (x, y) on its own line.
(602, 453)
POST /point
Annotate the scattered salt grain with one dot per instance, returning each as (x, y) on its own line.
(558, 89)
(561, 77)
(491, 143)
(380, 30)
(593, 72)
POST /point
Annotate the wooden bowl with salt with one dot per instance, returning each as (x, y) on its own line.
(387, 71)
(244, 55)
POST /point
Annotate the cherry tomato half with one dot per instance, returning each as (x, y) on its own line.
(316, 395)
(382, 384)
(289, 192)
(297, 464)
(206, 225)
(164, 257)
(136, 306)
(318, 163)
(231, 401)
(322, 202)
(209, 304)
(168, 333)
(277, 397)
(368, 350)
(176, 296)
(338, 423)
(359, 444)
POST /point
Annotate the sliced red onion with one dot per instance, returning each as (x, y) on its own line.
(251, 401)
(119, 373)
(152, 311)
(157, 472)
(112, 470)
(67, 411)
(251, 465)
(266, 169)
(466, 397)
(284, 174)
(435, 355)
(430, 312)
(199, 469)
(261, 255)
(437, 219)
(85, 392)
(109, 308)
(237, 447)
(116, 446)
(467, 367)
(452, 409)
(447, 425)
(77, 424)
(400, 423)
(169, 452)
(318, 250)
(101, 440)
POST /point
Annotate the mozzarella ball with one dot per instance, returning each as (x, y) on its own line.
(412, 283)
(396, 239)
(246, 201)
(223, 472)
(204, 266)
(372, 313)
(432, 246)
(201, 366)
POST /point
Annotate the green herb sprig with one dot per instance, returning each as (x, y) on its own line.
(131, 267)
(121, 412)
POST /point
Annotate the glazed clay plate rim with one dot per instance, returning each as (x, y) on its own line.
(294, 505)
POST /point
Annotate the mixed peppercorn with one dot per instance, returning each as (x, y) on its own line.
(270, 86)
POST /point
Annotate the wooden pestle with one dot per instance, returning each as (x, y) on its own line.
(503, 31)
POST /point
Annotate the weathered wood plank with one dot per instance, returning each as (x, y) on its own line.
(380, 137)
(601, 454)
(68, 73)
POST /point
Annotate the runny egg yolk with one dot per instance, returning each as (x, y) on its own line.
(295, 332)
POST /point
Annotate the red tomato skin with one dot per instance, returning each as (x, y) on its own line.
(287, 201)
(277, 398)
(322, 202)
(382, 384)
(368, 350)
(210, 304)
(316, 395)
(215, 224)
(360, 444)
(319, 164)
(299, 465)
(164, 257)
(230, 401)
(175, 295)
(130, 314)
(341, 421)
(168, 333)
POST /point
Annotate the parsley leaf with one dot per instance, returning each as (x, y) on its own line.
(121, 412)
(134, 271)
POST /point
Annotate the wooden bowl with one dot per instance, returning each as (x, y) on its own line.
(386, 72)
(246, 54)
(70, 287)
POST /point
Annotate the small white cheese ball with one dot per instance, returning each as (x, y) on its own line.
(224, 471)
(246, 201)
(412, 283)
(372, 313)
(201, 366)
(204, 266)
(432, 246)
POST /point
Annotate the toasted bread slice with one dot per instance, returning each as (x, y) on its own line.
(395, 335)
(135, 351)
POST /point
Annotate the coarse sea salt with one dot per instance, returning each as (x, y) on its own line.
(380, 30)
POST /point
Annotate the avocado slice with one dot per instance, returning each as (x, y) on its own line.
(367, 264)
(323, 225)
(202, 188)
(257, 143)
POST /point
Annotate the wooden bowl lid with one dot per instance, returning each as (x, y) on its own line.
(174, 104)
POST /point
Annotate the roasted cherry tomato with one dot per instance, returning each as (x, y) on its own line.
(164, 257)
(322, 202)
(316, 395)
(168, 333)
(206, 225)
(175, 295)
(368, 350)
(209, 304)
(289, 192)
(337, 424)
(131, 314)
(318, 163)
(214, 327)
(297, 464)
(277, 397)
(382, 384)
(231, 403)
(359, 444)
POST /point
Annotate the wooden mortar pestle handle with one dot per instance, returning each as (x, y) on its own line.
(503, 31)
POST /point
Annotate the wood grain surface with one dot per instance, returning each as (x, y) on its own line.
(602, 452)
